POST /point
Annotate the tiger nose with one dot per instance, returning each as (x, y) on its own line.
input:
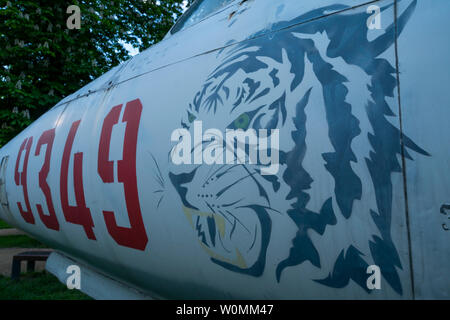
(178, 180)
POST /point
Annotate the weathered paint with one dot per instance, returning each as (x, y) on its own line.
(92, 177)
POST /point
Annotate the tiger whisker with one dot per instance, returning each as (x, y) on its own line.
(209, 206)
(237, 220)
(219, 194)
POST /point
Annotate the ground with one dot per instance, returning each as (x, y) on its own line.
(38, 285)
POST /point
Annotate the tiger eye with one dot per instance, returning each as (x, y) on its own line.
(242, 121)
(191, 117)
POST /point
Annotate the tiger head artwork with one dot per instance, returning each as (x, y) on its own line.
(333, 132)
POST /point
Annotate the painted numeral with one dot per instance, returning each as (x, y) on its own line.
(21, 179)
(50, 220)
(135, 236)
(78, 214)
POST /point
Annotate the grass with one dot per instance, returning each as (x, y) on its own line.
(17, 241)
(4, 225)
(37, 286)
(20, 241)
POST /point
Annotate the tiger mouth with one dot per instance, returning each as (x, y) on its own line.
(211, 229)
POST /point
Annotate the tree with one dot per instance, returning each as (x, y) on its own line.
(42, 60)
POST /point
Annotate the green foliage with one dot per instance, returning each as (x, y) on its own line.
(37, 286)
(20, 241)
(42, 61)
(4, 225)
